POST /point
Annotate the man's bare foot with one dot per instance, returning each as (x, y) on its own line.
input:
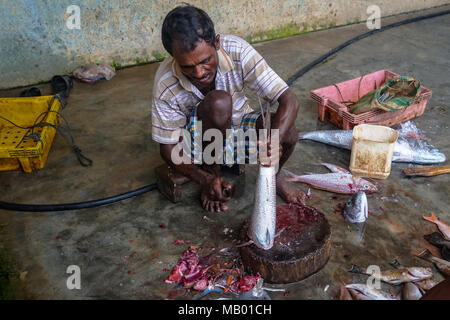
(211, 205)
(289, 193)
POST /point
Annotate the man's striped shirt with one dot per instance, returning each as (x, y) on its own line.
(239, 66)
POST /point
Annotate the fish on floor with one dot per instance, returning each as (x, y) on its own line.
(411, 292)
(364, 292)
(443, 227)
(426, 285)
(338, 181)
(344, 293)
(397, 276)
(356, 209)
(403, 150)
(442, 265)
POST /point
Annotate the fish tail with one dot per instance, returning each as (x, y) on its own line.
(431, 218)
(355, 269)
(289, 175)
(301, 135)
(426, 255)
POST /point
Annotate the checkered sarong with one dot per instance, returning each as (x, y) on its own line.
(235, 149)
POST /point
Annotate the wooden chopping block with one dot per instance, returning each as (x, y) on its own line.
(301, 249)
(169, 182)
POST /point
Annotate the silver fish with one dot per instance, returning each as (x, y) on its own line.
(411, 151)
(364, 292)
(339, 181)
(397, 276)
(263, 220)
(334, 168)
(356, 209)
(405, 150)
(426, 285)
(411, 292)
(442, 265)
(336, 138)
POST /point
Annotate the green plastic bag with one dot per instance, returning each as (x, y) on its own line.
(393, 95)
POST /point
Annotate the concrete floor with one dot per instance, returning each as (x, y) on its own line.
(120, 248)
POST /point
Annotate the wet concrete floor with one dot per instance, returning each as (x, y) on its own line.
(121, 249)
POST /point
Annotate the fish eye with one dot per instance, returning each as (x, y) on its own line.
(366, 187)
(349, 203)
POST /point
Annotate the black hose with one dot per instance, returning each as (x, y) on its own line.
(75, 206)
(360, 37)
(123, 196)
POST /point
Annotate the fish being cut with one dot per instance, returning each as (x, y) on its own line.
(263, 221)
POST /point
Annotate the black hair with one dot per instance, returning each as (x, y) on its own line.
(187, 25)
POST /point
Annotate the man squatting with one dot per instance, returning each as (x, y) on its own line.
(204, 80)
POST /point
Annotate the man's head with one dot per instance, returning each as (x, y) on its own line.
(188, 35)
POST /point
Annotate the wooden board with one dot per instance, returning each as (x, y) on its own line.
(301, 249)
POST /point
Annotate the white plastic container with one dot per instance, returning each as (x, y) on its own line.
(372, 151)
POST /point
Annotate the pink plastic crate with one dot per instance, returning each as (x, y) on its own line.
(332, 110)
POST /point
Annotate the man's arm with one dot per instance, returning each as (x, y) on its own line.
(191, 171)
(286, 112)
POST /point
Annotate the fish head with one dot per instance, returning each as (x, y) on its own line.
(266, 243)
(365, 186)
(420, 273)
(356, 209)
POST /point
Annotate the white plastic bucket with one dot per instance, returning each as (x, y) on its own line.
(372, 151)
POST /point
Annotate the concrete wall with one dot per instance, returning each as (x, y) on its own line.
(36, 44)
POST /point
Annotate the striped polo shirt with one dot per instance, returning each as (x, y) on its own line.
(239, 66)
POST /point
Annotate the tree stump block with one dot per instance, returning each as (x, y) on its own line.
(300, 250)
(169, 182)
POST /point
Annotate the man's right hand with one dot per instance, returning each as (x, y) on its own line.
(215, 191)
(212, 196)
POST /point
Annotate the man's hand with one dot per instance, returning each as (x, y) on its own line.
(271, 158)
(215, 191)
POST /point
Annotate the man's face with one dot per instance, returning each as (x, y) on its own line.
(198, 65)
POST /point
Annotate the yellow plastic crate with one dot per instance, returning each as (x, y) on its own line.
(17, 152)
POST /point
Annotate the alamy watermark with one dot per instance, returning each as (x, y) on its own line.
(374, 282)
(237, 147)
(374, 19)
(74, 280)
(73, 20)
